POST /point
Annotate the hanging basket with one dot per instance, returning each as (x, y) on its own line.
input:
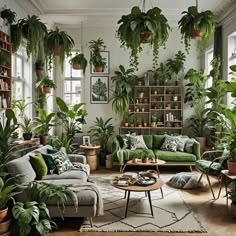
(145, 36)
(57, 50)
(76, 66)
(196, 34)
(46, 90)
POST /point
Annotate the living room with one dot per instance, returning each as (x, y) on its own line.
(150, 92)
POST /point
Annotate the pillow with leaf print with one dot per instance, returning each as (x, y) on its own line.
(170, 143)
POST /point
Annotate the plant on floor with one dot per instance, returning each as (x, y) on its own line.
(8, 15)
(71, 117)
(59, 43)
(34, 31)
(79, 62)
(138, 28)
(123, 82)
(196, 24)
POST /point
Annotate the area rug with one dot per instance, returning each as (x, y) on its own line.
(171, 214)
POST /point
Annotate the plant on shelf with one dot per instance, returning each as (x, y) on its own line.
(79, 62)
(4, 58)
(154, 120)
(196, 24)
(27, 127)
(131, 121)
(46, 84)
(141, 27)
(59, 43)
(176, 65)
(71, 117)
(102, 132)
(123, 82)
(126, 120)
(139, 122)
(8, 15)
(141, 92)
(34, 31)
(96, 46)
(162, 74)
(145, 122)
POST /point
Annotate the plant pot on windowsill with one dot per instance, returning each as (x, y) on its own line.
(27, 136)
(46, 90)
(231, 167)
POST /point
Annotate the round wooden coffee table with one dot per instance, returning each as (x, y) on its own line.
(137, 188)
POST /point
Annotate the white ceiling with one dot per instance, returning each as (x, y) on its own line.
(70, 13)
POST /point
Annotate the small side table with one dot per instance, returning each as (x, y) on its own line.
(91, 155)
(224, 177)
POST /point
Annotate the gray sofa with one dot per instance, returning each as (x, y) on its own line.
(89, 197)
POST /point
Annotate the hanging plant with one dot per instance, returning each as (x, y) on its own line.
(8, 15)
(140, 28)
(59, 43)
(196, 24)
(16, 37)
(79, 62)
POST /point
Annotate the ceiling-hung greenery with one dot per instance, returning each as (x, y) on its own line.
(139, 28)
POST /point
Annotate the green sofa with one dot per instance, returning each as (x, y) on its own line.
(153, 143)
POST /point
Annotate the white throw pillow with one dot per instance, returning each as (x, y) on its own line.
(137, 142)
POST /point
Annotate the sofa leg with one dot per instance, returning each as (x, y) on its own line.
(190, 168)
(90, 221)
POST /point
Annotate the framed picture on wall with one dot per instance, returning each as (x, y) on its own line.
(99, 89)
(101, 70)
(86, 140)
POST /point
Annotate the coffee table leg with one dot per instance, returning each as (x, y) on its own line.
(158, 173)
(127, 204)
(125, 194)
(150, 201)
(162, 193)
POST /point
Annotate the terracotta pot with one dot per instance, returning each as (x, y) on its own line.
(76, 66)
(196, 33)
(140, 126)
(98, 69)
(145, 160)
(231, 167)
(3, 214)
(57, 50)
(134, 160)
(43, 140)
(46, 90)
(5, 226)
(202, 141)
(126, 124)
(131, 125)
(233, 211)
(145, 36)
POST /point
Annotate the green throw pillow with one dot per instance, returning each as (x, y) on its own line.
(62, 162)
(189, 145)
(39, 165)
(50, 163)
(51, 151)
(170, 143)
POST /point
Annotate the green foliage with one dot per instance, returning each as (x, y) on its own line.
(34, 31)
(99, 91)
(122, 153)
(8, 15)
(46, 82)
(20, 105)
(97, 45)
(81, 60)
(16, 37)
(123, 82)
(4, 58)
(43, 123)
(138, 24)
(26, 125)
(232, 192)
(162, 74)
(102, 131)
(196, 90)
(194, 20)
(154, 117)
(57, 38)
(176, 64)
(97, 60)
(71, 117)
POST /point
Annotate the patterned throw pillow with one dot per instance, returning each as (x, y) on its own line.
(170, 143)
(137, 142)
(181, 143)
(189, 145)
(61, 161)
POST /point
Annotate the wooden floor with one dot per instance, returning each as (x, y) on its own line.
(213, 214)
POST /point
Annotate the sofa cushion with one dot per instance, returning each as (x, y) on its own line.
(175, 156)
(148, 139)
(50, 163)
(21, 169)
(70, 174)
(38, 165)
(52, 151)
(181, 143)
(170, 143)
(137, 142)
(189, 145)
(203, 166)
(158, 140)
(139, 153)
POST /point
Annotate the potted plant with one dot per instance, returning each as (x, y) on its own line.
(4, 58)
(162, 74)
(26, 126)
(196, 24)
(126, 121)
(131, 121)
(59, 43)
(139, 122)
(79, 62)
(34, 31)
(123, 82)
(46, 84)
(42, 124)
(176, 65)
(39, 68)
(138, 28)
(96, 46)
(154, 120)
(144, 122)
(98, 62)
(8, 15)
(102, 132)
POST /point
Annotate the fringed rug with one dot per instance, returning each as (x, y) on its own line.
(171, 214)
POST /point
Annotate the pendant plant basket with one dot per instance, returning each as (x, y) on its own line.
(46, 84)
(139, 28)
(79, 62)
(8, 15)
(16, 37)
(194, 24)
(59, 43)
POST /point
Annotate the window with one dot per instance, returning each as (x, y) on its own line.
(73, 83)
(22, 77)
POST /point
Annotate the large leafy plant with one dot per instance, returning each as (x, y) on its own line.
(8, 15)
(162, 74)
(123, 82)
(139, 27)
(194, 23)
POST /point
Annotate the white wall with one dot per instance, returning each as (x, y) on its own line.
(121, 56)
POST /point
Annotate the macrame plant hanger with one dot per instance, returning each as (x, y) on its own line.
(81, 38)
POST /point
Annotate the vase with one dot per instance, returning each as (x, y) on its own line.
(231, 167)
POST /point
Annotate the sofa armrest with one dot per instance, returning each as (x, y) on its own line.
(77, 158)
(197, 150)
